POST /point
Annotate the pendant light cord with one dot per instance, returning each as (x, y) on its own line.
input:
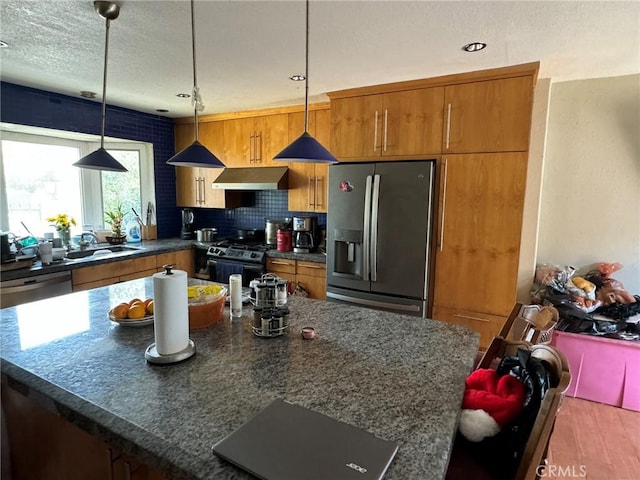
(196, 91)
(104, 84)
(306, 72)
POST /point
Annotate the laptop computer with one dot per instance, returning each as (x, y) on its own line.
(285, 441)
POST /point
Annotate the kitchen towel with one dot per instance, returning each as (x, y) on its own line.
(226, 269)
(171, 311)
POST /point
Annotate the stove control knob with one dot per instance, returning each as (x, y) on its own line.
(253, 255)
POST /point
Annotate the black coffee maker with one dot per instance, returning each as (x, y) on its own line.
(188, 231)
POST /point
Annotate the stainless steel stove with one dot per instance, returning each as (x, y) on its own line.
(226, 257)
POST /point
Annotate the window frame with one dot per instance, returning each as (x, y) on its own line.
(90, 180)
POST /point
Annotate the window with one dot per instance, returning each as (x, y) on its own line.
(39, 181)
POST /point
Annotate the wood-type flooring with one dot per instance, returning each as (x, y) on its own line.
(594, 441)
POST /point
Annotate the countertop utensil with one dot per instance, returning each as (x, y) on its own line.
(149, 212)
(138, 219)
(28, 231)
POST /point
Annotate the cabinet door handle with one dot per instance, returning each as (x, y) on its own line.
(309, 187)
(203, 198)
(375, 132)
(259, 148)
(251, 147)
(444, 199)
(307, 265)
(480, 319)
(275, 262)
(448, 125)
(319, 192)
(110, 459)
(385, 131)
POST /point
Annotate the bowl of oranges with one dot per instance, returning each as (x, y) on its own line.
(134, 313)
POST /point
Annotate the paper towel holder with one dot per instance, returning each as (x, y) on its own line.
(152, 355)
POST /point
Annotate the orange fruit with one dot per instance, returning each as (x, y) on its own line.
(120, 311)
(146, 301)
(150, 308)
(136, 311)
(131, 302)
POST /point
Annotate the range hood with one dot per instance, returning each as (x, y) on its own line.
(252, 178)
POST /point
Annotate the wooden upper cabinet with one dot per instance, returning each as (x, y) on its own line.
(239, 145)
(488, 116)
(211, 135)
(254, 141)
(272, 137)
(404, 123)
(193, 185)
(479, 228)
(308, 181)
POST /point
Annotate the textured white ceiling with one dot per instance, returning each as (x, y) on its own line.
(246, 50)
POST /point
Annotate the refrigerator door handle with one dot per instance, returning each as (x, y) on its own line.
(374, 228)
(367, 229)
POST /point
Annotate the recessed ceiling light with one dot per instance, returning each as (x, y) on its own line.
(87, 94)
(297, 78)
(3, 44)
(161, 110)
(183, 95)
(474, 47)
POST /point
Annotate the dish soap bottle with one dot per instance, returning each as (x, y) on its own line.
(133, 232)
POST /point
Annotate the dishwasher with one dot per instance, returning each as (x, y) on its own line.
(38, 287)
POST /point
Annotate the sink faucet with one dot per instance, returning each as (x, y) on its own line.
(93, 240)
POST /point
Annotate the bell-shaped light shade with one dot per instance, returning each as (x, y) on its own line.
(100, 160)
(305, 149)
(195, 155)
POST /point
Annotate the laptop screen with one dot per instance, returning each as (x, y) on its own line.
(285, 441)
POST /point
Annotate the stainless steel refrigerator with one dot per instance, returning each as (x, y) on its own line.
(378, 234)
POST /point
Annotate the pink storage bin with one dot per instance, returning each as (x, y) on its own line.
(603, 370)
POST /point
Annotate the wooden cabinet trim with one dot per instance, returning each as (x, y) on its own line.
(526, 69)
(214, 117)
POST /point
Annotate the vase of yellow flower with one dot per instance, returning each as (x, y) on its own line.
(62, 223)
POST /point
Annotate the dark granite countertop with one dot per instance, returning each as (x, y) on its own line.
(399, 377)
(144, 248)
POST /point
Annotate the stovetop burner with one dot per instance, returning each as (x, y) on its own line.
(246, 252)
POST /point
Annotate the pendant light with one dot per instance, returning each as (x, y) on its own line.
(101, 159)
(306, 148)
(196, 154)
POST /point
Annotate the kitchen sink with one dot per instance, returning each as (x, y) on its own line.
(100, 252)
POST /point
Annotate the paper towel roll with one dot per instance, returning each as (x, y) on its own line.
(171, 311)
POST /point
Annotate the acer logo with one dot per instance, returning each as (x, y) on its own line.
(357, 468)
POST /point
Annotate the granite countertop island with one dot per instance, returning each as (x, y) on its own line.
(399, 377)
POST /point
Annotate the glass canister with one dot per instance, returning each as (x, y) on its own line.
(270, 321)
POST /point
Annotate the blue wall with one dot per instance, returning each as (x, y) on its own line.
(28, 106)
(38, 108)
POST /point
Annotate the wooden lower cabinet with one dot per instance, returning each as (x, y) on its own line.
(110, 273)
(42, 445)
(181, 260)
(107, 274)
(486, 325)
(312, 276)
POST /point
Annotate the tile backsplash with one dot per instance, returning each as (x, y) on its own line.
(264, 204)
